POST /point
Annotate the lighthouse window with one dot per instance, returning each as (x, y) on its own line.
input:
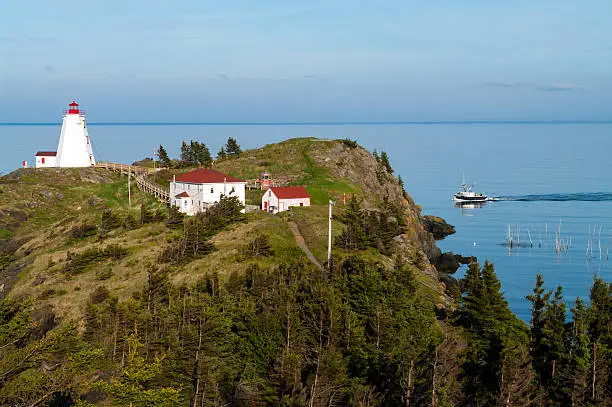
(212, 190)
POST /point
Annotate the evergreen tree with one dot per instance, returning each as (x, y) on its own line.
(175, 217)
(109, 222)
(400, 181)
(376, 156)
(556, 358)
(134, 386)
(353, 236)
(384, 160)
(540, 343)
(195, 153)
(221, 154)
(164, 160)
(600, 331)
(186, 153)
(146, 216)
(232, 148)
(579, 353)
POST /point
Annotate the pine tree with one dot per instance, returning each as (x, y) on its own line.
(400, 181)
(353, 236)
(134, 386)
(186, 153)
(108, 223)
(376, 156)
(145, 215)
(384, 160)
(232, 148)
(195, 153)
(540, 343)
(164, 160)
(579, 355)
(221, 154)
(175, 217)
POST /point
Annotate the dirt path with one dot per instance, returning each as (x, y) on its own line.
(299, 239)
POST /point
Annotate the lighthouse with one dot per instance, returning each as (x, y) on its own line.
(74, 148)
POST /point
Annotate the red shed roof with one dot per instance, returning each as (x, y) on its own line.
(206, 176)
(290, 192)
(46, 154)
(182, 195)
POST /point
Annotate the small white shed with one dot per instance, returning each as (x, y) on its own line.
(46, 159)
(280, 199)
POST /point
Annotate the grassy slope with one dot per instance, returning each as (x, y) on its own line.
(49, 224)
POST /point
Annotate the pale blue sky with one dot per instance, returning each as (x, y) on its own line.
(197, 60)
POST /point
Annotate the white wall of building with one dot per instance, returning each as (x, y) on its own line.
(269, 200)
(45, 161)
(74, 148)
(204, 195)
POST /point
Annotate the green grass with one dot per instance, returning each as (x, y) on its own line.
(5, 233)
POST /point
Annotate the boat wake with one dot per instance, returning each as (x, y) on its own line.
(580, 196)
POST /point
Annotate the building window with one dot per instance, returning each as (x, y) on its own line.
(301, 203)
(212, 190)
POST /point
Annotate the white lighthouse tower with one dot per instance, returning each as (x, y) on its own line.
(74, 149)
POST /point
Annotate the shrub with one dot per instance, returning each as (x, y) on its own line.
(350, 143)
(82, 230)
(129, 223)
(78, 262)
(145, 215)
(109, 222)
(259, 246)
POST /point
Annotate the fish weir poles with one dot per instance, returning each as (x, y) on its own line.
(530, 241)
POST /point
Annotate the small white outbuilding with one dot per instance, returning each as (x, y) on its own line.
(280, 199)
(45, 159)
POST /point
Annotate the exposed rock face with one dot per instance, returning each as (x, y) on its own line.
(437, 226)
(359, 166)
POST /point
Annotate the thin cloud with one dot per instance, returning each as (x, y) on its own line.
(506, 85)
(563, 87)
(223, 76)
(541, 87)
(49, 69)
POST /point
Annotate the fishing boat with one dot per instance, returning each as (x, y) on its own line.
(466, 195)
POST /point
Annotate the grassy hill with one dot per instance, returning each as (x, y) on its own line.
(60, 256)
(39, 209)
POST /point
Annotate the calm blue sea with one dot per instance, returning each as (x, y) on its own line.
(549, 162)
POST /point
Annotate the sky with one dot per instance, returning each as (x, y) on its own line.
(306, 61)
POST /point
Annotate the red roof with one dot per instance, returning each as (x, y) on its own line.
(182, 195)
(206, 176)
(290, 192)
(46, 154)
(74, 103)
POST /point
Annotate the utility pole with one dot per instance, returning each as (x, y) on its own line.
(129, 187)
(329, 235)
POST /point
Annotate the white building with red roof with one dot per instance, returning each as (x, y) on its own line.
(279, 199)
(195, 191)
(45, 159)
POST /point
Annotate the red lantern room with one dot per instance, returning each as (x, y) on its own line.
(74, 108)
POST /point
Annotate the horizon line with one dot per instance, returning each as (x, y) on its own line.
(321, 123)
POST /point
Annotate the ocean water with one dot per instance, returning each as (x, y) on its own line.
(555, 181)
